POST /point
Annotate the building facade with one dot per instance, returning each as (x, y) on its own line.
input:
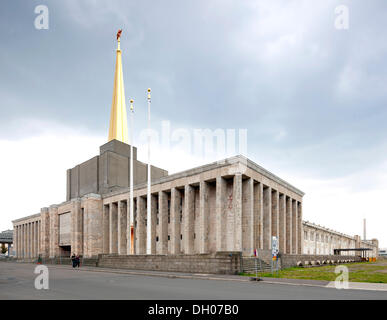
(229, 205)
(6, 240)
(232, 205)
(319, 240)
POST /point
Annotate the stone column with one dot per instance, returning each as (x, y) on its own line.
(106, 228)
(24, 253)
(78, 237)
(18, 242)
(45, 238)
(154, 201)
(21, 233)
(294, 227)
(163, 222)
(28, 240)
(24, 232)
(21, 244)
(122, 231)
(54, 232)
(249, 220)
(141, 228)
(204, 216)
(220, 213)
(188, 235)
(92, 226)
(258, 209)
(113, 223)
(267, 218)
(32, 234)
(300, 229)
(175, 221)
(15, 239)
(36, 238)
(40, 238)
(237, 211)
(282, 223)
(289, 226)
(275, 213)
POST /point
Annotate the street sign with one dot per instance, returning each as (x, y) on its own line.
(274, 247)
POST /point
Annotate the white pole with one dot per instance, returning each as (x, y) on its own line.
(149, 222)
(129, 247)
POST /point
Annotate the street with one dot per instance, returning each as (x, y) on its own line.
(17, 282)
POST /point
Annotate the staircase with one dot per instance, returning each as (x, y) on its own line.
(249, 265)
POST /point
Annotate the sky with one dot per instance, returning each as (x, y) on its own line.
(310, 95)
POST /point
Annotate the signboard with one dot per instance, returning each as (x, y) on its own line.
(274, 247)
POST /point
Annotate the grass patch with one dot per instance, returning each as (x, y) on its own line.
(375, 272)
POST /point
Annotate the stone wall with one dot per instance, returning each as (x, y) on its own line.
(108, 171)
(219, 263)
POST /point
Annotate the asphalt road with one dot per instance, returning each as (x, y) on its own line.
(17, 282)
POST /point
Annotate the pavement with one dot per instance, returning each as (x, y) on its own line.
(17, 282)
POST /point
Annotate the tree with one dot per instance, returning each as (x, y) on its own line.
(3, 249)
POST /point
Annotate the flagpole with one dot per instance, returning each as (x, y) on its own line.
(149, 222)
(131, 247)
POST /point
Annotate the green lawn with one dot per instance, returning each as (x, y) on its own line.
(375, 272)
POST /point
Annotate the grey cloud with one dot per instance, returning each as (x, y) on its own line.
(315, 106)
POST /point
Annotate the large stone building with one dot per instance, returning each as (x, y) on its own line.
(230, 205)
(323, 241)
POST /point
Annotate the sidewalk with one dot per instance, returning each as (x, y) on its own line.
(222, 277)
(328, 284)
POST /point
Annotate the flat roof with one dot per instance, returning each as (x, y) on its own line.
(210, 166)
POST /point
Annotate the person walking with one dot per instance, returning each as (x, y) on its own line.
(73, 260)
(78, 260)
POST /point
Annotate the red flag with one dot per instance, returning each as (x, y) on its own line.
(119, 34)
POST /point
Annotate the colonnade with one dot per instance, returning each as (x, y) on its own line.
(228, 213)
(27, 239)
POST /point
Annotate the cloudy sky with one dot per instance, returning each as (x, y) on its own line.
(312, 97)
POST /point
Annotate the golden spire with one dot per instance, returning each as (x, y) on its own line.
(118, 121)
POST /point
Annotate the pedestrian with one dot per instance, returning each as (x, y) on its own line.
(78, 260)
(73, 260)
